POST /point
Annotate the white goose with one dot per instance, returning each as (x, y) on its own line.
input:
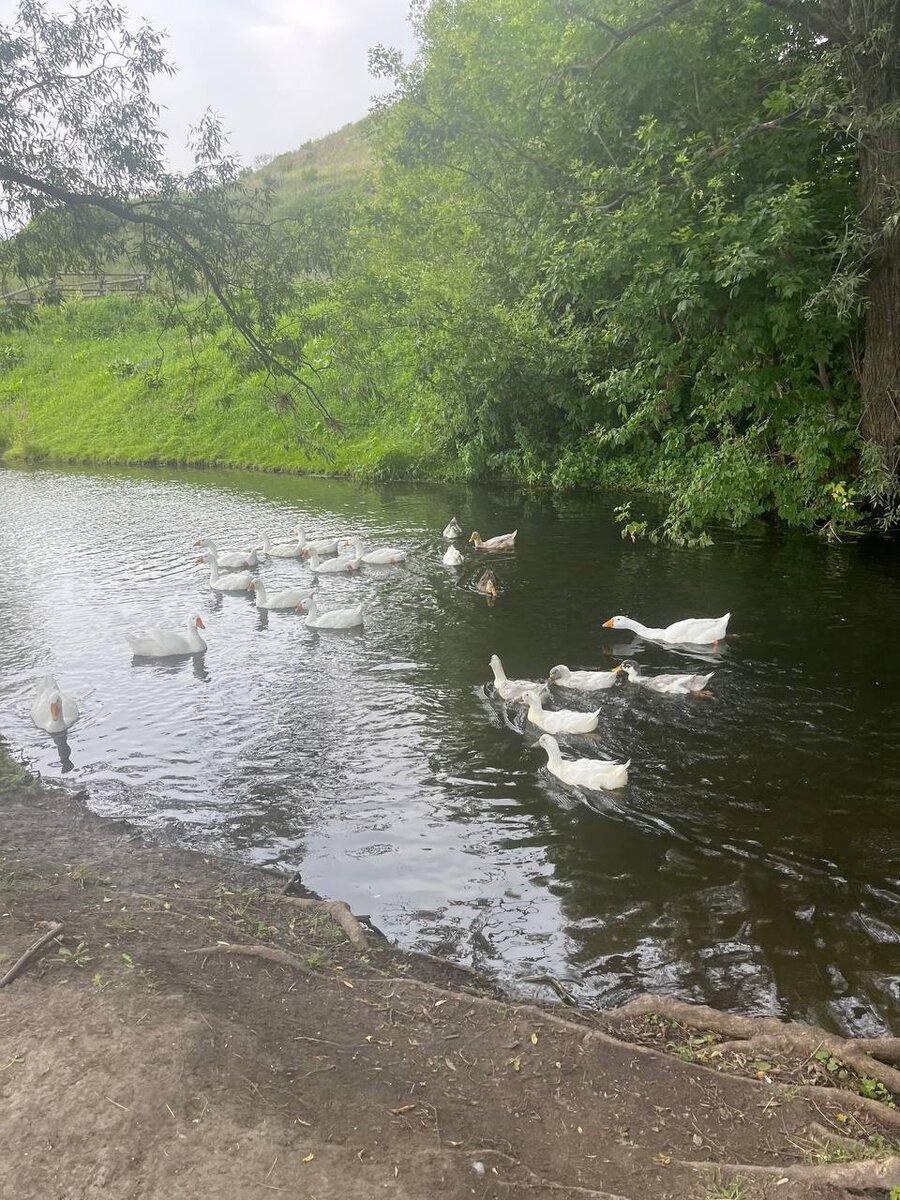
(583, 681)
(231, 581)
(230, 560)
(697, 631)
(382, 556)
(503, 541)
(289, 598)
(670, 685)
(163, 643)
(335, 618)
(51, 709)
(593, 773)
(324, 547)
(332, 566)
(452, 557)
(511, 689)
(281, 549)
(564, 720)
(453, 530)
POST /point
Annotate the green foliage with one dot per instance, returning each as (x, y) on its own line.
(540, 261)
(626, 287)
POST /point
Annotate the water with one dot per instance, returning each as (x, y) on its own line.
(751, 862)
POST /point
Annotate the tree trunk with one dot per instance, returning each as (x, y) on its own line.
(876, 71)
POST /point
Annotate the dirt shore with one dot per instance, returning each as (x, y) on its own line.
(191, 1031)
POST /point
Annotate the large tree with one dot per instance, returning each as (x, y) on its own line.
(84, 177)
(693, 204)
(863, 38)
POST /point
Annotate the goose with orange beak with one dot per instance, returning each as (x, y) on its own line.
(52, 710)
(694, 631)
(167, 643)
(503, 541)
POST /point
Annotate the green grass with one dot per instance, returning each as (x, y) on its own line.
(335, 165)
(96, 381)
(13, 776)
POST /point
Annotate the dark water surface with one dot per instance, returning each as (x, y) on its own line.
(751, 862)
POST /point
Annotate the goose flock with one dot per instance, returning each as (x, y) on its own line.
(231, 572)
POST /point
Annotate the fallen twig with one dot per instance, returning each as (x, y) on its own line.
(23, 960)
(447, 962)
(551, 981)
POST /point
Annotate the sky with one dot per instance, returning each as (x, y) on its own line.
(277, 72)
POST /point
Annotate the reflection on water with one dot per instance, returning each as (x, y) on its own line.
(751, 860)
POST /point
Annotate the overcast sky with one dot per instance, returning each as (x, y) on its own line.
(277, 71)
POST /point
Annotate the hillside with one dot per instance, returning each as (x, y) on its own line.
(330, 168)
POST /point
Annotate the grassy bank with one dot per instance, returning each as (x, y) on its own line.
(98, 381)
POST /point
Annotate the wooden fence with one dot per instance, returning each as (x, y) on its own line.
(87, 287)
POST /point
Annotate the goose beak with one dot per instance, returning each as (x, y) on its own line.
(251, 586)
(616, 670)
(199, 623)
(608, 624)
(490, 589)
(54, 710)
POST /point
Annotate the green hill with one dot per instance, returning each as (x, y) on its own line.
(331, 168)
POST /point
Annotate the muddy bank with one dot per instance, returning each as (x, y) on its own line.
(192, 1032)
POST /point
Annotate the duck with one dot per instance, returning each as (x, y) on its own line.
(281, 549)
(163, 643)
(452, 557)
(231, 581)
(670, 685)
(289, 598)
(487, 584)
(583, 681)
(503, 541)
(511, 689)
(382, 556)
(595, 774)
(453, 530)
(564, 720)
(697, 631)
(342, 565)
(52, 710)
(336, 618)
(230, 560)
(323, 548)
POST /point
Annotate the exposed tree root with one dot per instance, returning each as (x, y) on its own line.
(337, 910)
(533, 1180)
(753, 1034)
(876, 1174)
(272, 953)
(24, 959)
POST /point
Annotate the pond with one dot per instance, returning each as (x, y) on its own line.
(751, 860)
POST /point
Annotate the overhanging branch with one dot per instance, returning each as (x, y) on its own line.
(132, 214)
(620, 36)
